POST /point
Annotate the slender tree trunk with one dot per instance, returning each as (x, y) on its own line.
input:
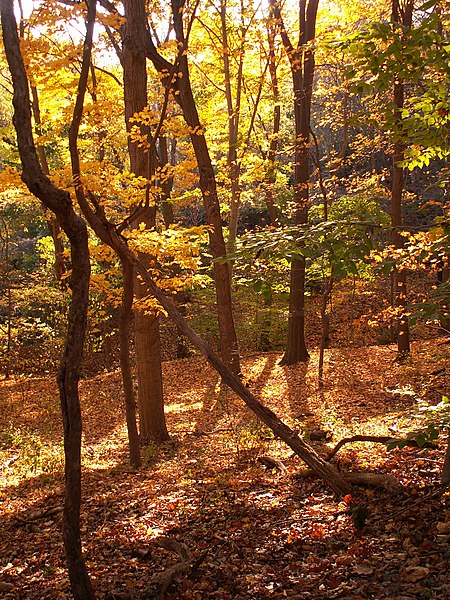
(271, 174)
(325, 337)
(233, 110)
(59, 202)
(167, 184)
(401, 14)
(183, 94)
(302, 63)
(52, 222)
(125, 363)
(445, 475)
(148, 346)
(228, 339)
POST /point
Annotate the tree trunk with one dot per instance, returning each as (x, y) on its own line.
(324, 339)
(301, 60)
(445, 475)
(167, 184)
(207, 182)
(400, 15)
(125, 364)
(148, 347)
(59, 202)
(233, 110)
(51, 220)
(271, 174)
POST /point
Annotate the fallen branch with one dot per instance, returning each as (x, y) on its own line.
(384, 480)
(272, 463)
(439, 490)
(35, 515)
(162, 582)
(378, 439)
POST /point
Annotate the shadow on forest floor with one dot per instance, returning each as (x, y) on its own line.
(266, 534)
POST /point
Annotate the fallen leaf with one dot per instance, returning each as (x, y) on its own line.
(413, 574)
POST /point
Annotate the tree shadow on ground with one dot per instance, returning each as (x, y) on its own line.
(265, 535)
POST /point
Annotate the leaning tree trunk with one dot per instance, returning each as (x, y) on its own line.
(329, 474)
(59, 202)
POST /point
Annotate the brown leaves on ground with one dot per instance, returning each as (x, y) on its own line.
(259, 533)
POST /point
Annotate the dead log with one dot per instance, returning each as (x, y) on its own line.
(384, 480)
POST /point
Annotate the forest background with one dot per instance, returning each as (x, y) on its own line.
(276, 176)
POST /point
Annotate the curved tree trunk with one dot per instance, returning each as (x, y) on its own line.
(181, 84)
(59, 202)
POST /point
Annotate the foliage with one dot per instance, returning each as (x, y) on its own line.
(386, 53)
(33, 455)
(340, 244)
(423, 250)
(437, 421)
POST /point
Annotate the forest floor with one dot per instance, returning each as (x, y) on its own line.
(250, 532)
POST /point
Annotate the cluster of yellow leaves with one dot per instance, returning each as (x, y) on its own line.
(174, 247)
(420, 251)
(105, 280)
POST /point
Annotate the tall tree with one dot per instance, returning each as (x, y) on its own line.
(271, 154)
(59, 202)
(176, 77)
(148, 344)
(301, 60)
(402, 12)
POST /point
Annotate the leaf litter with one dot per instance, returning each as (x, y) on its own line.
(259, 532)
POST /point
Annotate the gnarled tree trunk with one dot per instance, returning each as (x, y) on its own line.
(59, 202)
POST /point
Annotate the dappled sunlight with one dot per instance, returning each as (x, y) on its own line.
(177, 407)
(207, 489)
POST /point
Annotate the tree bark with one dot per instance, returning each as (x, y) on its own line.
(401, 15)
(302, 64)
(148, 346)
(59, 202)
(179, 80)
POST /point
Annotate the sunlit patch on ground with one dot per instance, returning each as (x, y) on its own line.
(266, 533)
